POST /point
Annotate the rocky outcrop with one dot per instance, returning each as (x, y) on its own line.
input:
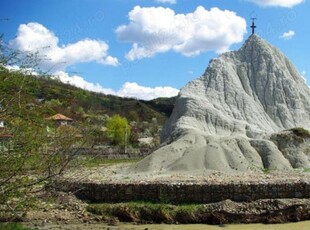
(233, 117)
(252, 91)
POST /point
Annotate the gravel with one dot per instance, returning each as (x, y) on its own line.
(118, 173)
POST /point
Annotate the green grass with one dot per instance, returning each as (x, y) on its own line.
(149, 212)
(301, 132)
(88, 161)
(266, 170)
(13, 226)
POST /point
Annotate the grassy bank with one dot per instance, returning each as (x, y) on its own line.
(224, 212)
(146, 212)
(13, 226)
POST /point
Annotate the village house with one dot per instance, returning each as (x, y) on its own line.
(60, 119)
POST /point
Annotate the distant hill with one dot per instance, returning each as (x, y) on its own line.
(51, 96)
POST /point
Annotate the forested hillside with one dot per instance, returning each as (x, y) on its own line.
(53, 96)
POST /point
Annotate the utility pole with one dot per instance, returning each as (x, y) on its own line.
(125, 141)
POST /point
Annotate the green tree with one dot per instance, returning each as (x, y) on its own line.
(118, 130)
(35, 156)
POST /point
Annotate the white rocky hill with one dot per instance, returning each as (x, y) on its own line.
(249, 111)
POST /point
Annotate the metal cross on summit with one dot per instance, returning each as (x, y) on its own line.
(253, 26)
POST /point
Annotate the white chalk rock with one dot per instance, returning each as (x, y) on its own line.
(224, 119)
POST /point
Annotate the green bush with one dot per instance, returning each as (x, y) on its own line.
(301, 132)
(118, 130)
(13, 226)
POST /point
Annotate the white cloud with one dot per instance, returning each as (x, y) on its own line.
(277, 3)
(153, 30)
(12, 68)
(80, 82)
(166, 1)
(287, 35)
(16, 68)
(129, 89)
(303, 75)
(34, 37)
(133, 90)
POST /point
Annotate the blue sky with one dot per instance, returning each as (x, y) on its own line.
(148, 48)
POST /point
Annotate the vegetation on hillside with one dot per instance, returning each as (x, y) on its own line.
(45, 96)
(162, 105)
(39, 150)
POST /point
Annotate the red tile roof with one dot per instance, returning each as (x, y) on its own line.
(5, 135)
(59, 117)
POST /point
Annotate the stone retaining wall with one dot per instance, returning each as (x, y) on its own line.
(184, 193)
(113, 152)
